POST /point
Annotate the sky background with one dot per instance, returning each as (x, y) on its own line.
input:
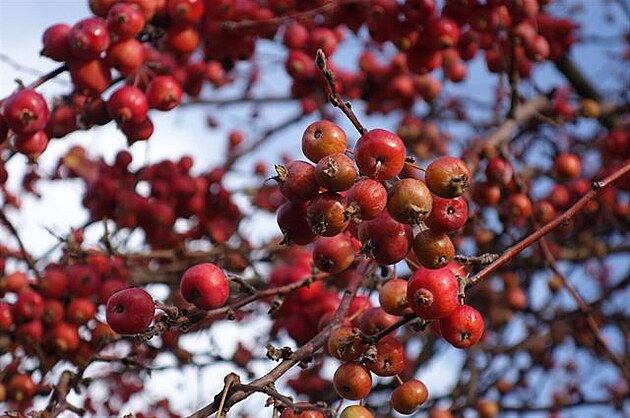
(185, 132)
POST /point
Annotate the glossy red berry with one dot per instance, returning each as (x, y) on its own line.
(205, 285)
(56, 44)
(352, 381)
(185, 12)
(88, 38)
(447, 215)
(390, 357)
(322, 138)
(91, 77)
(463, 327)
(345, 343)
(128, 104)
(356, 411)
(164, 93)
(127, 56)
(335, 172)
(567, 165)
(366, 199)
(499, 170)
(433, 294)
(31, 145)
(393, 297)
(125, 21)
(407, 397)
(380, 154)
(25, 112)
(447, 177)
(130, 311)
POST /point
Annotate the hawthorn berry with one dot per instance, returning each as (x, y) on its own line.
(447, 215)
(25, 112)
(433, 294)
(335, 172)
(128, 104)
(380, 154)
(392, 297)
(297, 181)
(352, 381)
(124, 20)
(384, 239)
(433, 249)
(463, 327)
(356, 411)
(88, 38)
(205, 285)
(334, 254)
(409, 201)
(130, 311)
(56, 44)
(447, 177)
(164, 93)
(291, 218)
(407, 397)
(366, 199)
(326, 214)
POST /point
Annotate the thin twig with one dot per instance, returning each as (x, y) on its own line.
(333, 96)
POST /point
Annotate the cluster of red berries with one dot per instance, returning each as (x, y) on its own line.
(114, 192)
(54, 317)
(368, 202)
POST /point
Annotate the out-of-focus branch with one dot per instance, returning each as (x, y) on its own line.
(597, 189)
(25, 254)
(584, 308)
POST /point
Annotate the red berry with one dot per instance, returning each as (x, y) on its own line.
(567, 165)
(164, 93)
(433, 294)
(90, 76)
(292, 221)
(366, 199)
(297, 181)
(334, 254)
(125, 21)
(205, 285)
(384, 239)
(447, 177)
(31, 145)
(326, 214)
(499, 170)
(56, 44)
(380, 154)
(463, 327)
(390, 357)
(352, 381)
(335, 172)
(407, 397)
(434, 249)
(88, 38)
(345, 343)
(26, 112)
(128, 104)
(130, 311)
(393, 297)
(356, 411)
(185, 12)
(127, 56)
(447, 215)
